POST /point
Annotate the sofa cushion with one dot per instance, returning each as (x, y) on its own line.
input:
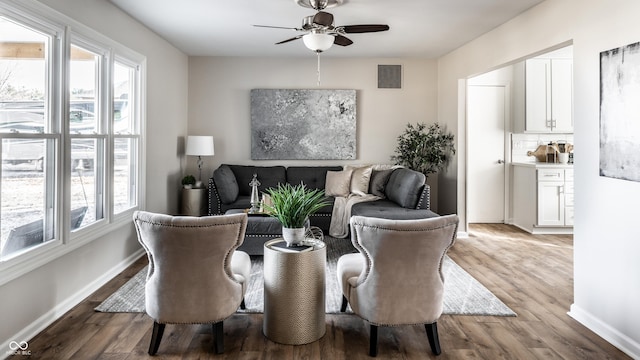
(327, 210)
(404, 187)
(378, 182)
(268, 176)
(314, 177)
(226, 183)
(360, 179)
(338, 183)
(386, 209)
(242, 202)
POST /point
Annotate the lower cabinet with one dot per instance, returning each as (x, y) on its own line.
(568, 197)
(543, 199)
(550, 197)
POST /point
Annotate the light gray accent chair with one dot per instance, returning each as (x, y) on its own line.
(195, 274)
(396, 278)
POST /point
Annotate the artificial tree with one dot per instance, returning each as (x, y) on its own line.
(424, 149)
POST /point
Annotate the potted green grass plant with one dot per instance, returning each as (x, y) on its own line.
(292, 206)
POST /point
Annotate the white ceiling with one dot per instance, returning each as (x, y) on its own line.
(419, 28)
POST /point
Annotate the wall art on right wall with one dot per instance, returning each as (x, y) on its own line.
(620, 112)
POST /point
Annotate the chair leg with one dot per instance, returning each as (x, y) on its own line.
(432, 334)
(218, 337)
(343, 306)
(243, 306)
(373, 340)
(156, 336)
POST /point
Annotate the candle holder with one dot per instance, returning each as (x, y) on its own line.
(255, 199)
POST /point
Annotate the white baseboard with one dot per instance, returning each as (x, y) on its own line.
(613, 336)
(462, 235)
(60, 309)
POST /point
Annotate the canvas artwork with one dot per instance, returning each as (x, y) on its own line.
(620, 112)
(290, 124)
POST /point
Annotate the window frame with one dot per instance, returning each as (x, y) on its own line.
(135, 134)
(66, 32)
(101, 134)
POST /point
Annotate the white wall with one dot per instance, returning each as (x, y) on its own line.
(606, 246)
(32, 301)
(219, 102)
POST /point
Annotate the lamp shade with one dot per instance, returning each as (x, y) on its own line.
(199, 146)
(318, 42)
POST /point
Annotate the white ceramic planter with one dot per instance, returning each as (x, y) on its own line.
(293, 236)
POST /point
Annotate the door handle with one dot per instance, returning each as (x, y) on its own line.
(500, 161)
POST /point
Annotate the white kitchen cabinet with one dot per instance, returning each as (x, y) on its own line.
(568, 197)
(551, 200)
(543, 198)
(549, 95)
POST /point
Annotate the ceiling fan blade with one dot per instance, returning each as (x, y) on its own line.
(278, 27)
(323, 18)
(356, 29)
(291, 39)
(342, 40)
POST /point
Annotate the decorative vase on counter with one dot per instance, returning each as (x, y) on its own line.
(552, 153)
(293, 236)
(563, 157)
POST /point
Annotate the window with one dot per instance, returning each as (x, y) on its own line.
(125, 139)
(70, 148)
(87, 136)
(29, 135)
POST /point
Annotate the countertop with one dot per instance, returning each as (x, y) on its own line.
(542, 165)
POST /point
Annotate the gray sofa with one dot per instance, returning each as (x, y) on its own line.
(406, 195)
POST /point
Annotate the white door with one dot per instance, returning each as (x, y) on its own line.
(485, 160)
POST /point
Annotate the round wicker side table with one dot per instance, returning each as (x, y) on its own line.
(294, 294)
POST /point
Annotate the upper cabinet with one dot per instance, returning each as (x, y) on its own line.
(547, 84)
(548, 95)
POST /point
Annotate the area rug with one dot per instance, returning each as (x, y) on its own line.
(463, 295)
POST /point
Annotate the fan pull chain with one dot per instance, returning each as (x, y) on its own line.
(318, 53)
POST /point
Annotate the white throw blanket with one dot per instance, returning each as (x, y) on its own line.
(339, 227)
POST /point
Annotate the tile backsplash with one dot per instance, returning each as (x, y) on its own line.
(521, 143)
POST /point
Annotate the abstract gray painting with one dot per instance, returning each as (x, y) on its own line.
(620, 112)
(288, 124)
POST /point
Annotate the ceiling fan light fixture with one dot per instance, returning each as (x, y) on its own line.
(319, 4)
(318, 42)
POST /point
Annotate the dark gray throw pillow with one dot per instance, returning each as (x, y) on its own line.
(404, 187)
(226, 184)
(378, 182)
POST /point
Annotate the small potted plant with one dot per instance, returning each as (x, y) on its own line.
(188, 181)
(292, 206)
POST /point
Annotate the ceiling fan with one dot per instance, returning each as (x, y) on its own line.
(319, 31)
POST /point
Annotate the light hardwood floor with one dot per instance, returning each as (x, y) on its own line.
(532, 274)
